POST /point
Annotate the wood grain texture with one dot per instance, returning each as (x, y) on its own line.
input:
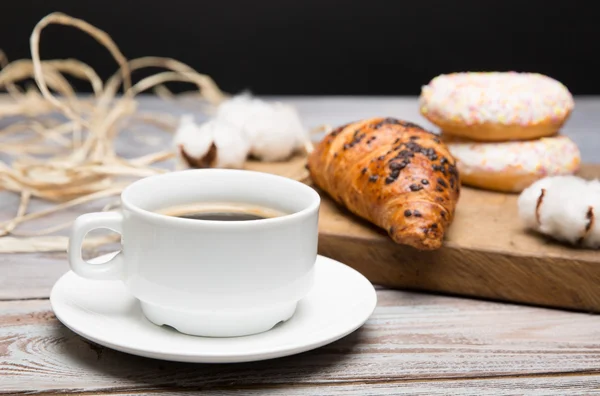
(543, 386)
(487, 254)
(25, 276)
(414, 344)
(32, 275)
(410, 337)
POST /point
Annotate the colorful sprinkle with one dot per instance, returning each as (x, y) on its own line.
(496, 97)
(546, 156)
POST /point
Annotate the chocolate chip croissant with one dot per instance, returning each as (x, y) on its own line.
(392, 173)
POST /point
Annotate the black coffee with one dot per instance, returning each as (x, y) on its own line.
(221, 211)
(222, 216)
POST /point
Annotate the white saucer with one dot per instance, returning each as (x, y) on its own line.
(105, 313)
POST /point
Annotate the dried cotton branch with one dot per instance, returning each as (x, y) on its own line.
(11, 88)
(80, 163)
(101, 36)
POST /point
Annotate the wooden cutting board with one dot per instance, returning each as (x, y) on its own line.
(487, 253)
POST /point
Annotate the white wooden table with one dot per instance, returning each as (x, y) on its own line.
(413, 344)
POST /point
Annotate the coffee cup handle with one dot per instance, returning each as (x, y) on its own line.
(109, 270)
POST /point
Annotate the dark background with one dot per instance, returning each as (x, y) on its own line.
(325, 46)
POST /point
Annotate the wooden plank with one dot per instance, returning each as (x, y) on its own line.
(542, 386)
(487, 254)
(410, 337)
(30, 276)
(26, 276)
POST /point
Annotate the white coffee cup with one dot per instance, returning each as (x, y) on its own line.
(205, 277)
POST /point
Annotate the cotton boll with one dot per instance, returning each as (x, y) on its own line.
(594, 186)
(237, 110)
(564, 207)
(273, 129)
(190, 137)
(529, 198)
(233, 146)
(275, 133)
(593, 238)
(213, 144)
(593, 215)
(563, 214)
(528, 201)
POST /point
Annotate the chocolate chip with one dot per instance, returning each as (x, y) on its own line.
(389, 180)
(394, 121)
(452, 169)
(434, 226)
(407, 213)
(441, 182)
(387, 121)
(414, 147)
(417, 213)
(412, 125)
(425, 181)
(336, 131)
(413, 137)
(405, 154)
(415, 187)
(395, 173)
(443, 160)
(397, 166)
(373, 178)
(363, 171)
(381, 157)
(439, 189)
(357, 139)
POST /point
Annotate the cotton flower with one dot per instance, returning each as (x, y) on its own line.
(274, 130)
(214, 144)
(566, 208)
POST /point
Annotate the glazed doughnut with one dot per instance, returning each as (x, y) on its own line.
(496, 106)
(513, 166)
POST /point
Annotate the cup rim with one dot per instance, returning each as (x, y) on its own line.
(306, 211)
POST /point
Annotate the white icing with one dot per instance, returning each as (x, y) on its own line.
(496, 97)
(546, 156)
